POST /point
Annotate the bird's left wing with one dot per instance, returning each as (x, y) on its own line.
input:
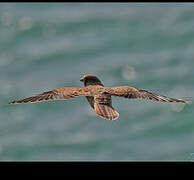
(131, 92)
(57, 94)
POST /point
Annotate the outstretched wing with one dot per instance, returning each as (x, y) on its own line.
(103, 107)
(131, 93)
(57, 94)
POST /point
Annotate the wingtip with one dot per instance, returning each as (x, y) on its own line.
(188, 102)
(183, 101)
(11, 102)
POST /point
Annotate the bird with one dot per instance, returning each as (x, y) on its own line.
(98, 96)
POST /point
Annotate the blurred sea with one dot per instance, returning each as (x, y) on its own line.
(47, 46)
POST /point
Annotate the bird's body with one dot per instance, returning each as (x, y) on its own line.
(98, 96)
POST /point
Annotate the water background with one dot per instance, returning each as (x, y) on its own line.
(44, 46)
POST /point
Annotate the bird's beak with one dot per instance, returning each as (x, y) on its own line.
(81, 80)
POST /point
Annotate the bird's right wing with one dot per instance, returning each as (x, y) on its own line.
(57, 94)
(134, 93)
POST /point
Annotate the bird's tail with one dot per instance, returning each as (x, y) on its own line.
(106, 111)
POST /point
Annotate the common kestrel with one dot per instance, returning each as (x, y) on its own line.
(98, 96)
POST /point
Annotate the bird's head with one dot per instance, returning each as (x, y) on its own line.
(90, 79)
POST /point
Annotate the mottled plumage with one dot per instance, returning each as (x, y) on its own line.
(98, 96)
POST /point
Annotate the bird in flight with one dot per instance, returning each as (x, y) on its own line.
(98, 96)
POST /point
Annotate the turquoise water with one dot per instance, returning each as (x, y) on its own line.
(47, 46)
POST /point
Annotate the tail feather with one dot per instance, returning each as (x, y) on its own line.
(106, 111)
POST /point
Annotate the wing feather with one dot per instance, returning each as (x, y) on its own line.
(134, 93)
(57, 94)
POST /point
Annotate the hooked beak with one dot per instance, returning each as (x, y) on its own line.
(81, 80)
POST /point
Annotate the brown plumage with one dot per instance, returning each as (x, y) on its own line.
(98, 96)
